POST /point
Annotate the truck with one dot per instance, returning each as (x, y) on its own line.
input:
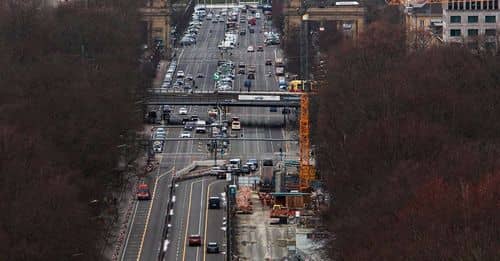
(280, 71)
(267, 175)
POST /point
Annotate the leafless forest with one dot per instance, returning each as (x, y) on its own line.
(69, 79)
(409, 143)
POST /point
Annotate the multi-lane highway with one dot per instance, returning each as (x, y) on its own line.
(190, 212)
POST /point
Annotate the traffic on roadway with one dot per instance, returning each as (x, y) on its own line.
(222, 49)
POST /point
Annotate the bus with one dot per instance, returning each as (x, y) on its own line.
(296, 86)
(301, 86)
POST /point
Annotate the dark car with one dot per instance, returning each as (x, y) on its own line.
(251, 30)
(251, 76)
(214, 203)
(189, 126)
(245, 169)
(269, 62)
(212, 247)
(243, 32)
(260, 48)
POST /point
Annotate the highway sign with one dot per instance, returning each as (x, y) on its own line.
(258, 97)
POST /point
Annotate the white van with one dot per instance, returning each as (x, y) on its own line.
(200, 127)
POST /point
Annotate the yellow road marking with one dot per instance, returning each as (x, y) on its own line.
(149, 210)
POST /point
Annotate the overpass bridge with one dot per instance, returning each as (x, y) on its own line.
(226, 99)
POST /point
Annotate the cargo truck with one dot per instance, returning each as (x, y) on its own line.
(267, 175)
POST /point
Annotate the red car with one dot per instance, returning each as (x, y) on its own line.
(143, 192)
(194, 240)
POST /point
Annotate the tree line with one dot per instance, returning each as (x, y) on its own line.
(408, 145)
(69, 80)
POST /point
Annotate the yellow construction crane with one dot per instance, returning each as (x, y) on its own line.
(307, 171)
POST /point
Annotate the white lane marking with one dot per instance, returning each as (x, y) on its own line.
(129, 230)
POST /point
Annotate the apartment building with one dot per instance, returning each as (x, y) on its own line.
(425, 17)
(467, 20)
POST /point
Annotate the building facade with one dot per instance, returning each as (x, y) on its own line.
(468, 20)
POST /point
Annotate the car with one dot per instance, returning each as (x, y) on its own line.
(269, 62)
(251, 165)
(257, 15)
(160, 131)
(189, 77)
(158, 146)
(180, 82)
(195, 118)
(200, 75)
(143, 192)
(245, 169)
(260, 48)
(185, 134)
(194, 240)
(160, 136)
(165, 85)
(251, 76)
(214, 203)
(243, 32)
(250, 49)
(214, 171)
(189, 126)
(212, 248)
(251, 30)
(183, 110)
(180, 74)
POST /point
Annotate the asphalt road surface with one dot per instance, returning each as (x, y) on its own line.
(191, 215)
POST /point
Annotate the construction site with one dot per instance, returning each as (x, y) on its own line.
(276, 211)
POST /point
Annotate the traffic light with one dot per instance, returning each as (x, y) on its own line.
(232, 190)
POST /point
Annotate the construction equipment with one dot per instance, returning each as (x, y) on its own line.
(280, 211)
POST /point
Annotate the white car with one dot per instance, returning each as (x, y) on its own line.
(185, 134)
(160, 130)
(183, 111)
(250, 49)
(180, 74)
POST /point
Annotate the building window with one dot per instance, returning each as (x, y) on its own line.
(455, 19)
(455, 32)
(472, 32)
(490, 32)
(490, 19)
(473, 19)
